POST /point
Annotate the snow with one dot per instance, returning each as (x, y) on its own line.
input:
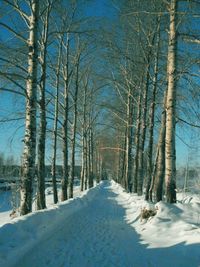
(8, 199)
(102, 228)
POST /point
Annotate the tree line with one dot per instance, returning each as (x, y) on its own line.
(51, 65)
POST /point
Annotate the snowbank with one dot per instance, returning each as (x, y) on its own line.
(172, 224)
(105, 229)
(23, 233)
(10, 198)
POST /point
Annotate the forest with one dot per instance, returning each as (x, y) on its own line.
(114, 92)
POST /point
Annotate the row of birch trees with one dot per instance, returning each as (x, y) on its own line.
(47, 59)
(154, 77)
(110, 95)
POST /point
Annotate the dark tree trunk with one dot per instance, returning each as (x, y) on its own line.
(137, 138)
(143, 131)
(73, 139)
(152, 115)
(91, 144)
(160, 174)
(129, 139)
(41, 202)
(64, 181)
(55, 130)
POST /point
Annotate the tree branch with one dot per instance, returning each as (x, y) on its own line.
(14, 32)
(188, 123)
(17, 8)
(11, 91)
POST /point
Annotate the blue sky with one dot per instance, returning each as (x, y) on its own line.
(100, 8)
(11, 134)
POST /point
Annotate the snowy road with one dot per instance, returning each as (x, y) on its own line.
(96, 236)
(99, 235)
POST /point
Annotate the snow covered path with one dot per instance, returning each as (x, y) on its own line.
(98, 234)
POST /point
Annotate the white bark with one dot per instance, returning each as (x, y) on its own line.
(170, 158)
(29, 154)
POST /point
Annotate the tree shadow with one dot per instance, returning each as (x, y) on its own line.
(140, 255)
(94, 235)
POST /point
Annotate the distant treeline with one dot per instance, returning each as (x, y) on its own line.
(12, 172)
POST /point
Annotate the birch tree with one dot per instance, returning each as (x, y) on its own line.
(84, 170)
(55, 127)
(152, 113)
(74, 127)
(29, 155)
(137, 140)
(129, 141)
(159, 174)
(41, 202)
(170, 158)
(66, 74)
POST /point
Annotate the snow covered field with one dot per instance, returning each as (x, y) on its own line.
(102, 228)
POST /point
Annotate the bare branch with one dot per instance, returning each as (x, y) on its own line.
(14, 32)
(13, 64)
(12, 91)
(189, 123)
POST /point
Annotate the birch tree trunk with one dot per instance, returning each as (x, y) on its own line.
(41, 202)
(83, 159)
(151, 116)
(89, 159)
(137, 138)
(129, 138)
(55, 127)
(84, 149)
(88, 155)
(143, 131)
(29, 154)
(73, 139)
(98, 164)
(123, 164)
(159, 165)
(170, 158)
(160, 170)
(86, 171)
(64, 181)
(153, 175)
(118, 178)
(91, 144)
(92, 158)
